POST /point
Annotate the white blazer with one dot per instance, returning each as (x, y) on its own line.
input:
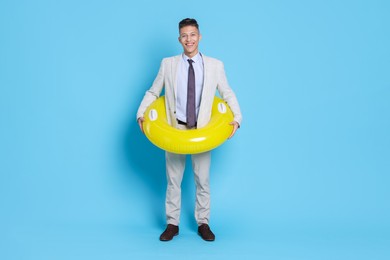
(214, 79)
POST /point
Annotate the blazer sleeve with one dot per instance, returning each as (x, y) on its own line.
(228, 94)
(153, 93)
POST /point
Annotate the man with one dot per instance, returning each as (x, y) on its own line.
(191, 81)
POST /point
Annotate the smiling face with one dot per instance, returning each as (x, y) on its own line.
(189, 38)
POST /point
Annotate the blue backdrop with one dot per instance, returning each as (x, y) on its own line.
(306, 177)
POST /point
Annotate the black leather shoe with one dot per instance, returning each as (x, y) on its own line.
(205, 232)
(169, 232)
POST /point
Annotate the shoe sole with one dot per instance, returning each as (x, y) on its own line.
(166, 240)
(208, 240)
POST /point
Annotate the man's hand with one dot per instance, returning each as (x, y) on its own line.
(235, 127)
(140, 121)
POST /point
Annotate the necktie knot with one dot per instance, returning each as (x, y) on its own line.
(190, 61)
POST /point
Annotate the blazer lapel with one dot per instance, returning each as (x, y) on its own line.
(202, 118)
(175, 66)
(205, 74)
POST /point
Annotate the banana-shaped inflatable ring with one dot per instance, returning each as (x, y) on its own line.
(193, 141)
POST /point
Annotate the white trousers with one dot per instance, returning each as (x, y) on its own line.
(175, 166)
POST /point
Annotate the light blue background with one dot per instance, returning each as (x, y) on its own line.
(306, 177)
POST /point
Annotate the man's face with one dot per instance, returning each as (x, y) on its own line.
(189, 38)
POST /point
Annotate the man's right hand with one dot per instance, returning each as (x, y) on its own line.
(140, 121)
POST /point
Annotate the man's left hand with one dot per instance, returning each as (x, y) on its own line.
(235, 127)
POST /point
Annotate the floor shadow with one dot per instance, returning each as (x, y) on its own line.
(147, 162)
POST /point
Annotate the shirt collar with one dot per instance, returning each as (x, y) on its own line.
(196, 58)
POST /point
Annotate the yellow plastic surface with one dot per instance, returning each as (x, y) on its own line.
(193, 141)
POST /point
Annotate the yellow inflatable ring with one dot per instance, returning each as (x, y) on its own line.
(193, 141)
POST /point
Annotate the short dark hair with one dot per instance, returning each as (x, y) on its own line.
(188, 22)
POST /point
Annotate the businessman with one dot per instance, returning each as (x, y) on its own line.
(191, 80)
